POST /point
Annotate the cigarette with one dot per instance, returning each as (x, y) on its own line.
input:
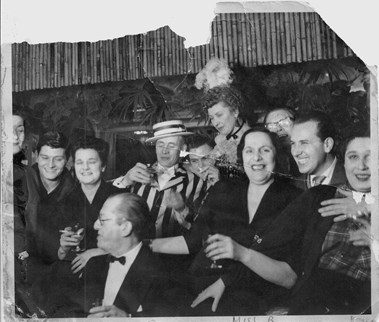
(65, 231)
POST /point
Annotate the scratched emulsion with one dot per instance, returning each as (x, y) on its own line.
(7, 256)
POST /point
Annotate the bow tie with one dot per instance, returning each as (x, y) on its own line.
(121, 259)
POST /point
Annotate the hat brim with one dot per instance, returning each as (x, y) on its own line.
(155, 138)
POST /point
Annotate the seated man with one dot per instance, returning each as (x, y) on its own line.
(166, 186)
(129, 281)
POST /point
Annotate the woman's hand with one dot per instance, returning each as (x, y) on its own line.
(214, 291)
(106, 311)
(80, 261)
(70, 238)
(220, 246)
(344, 207)
(362, 236)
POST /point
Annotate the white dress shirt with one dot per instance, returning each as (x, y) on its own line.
(328, 173)
(117, 273)
(164, 175)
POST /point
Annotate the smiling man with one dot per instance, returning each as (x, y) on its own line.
(312, 146)
(166, 186)
(49, 183)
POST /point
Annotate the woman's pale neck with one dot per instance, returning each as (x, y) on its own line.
(90, 190)
(260, 188)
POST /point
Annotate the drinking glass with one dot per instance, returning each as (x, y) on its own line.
(213, 265)
(153, 175)
(78, 234)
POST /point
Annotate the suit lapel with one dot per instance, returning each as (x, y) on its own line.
(96, 273)
(339, 176)
(135, 285)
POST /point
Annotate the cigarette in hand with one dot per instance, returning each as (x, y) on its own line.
(65, 231)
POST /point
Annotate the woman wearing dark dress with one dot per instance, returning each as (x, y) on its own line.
(240, 215)
(85, 201)
(79, 244)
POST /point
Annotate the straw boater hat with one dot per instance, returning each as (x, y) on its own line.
(168, 128)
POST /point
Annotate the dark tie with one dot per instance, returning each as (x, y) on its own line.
(317, 180)
(121, 259)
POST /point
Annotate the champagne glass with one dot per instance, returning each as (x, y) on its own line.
(78, 234)
(213, 265)
(153, 175)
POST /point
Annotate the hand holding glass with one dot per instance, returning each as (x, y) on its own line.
(206, 243)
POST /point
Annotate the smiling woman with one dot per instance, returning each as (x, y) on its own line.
(90, 157)
(82, 206)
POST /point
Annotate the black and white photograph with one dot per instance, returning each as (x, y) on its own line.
(149, 176)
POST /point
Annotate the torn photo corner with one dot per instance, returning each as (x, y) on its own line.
(115, 85)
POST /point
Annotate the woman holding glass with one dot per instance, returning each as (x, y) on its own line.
(78, 241)
(90, 158)
(333, 261)
(241, 213)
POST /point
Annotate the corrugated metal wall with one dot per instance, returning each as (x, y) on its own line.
(250, 39)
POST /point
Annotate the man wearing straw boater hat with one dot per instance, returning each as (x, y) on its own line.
(166, 186)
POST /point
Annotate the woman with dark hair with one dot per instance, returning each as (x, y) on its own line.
(78, 240)
(335, 276)
(240, 214)
(90, 157)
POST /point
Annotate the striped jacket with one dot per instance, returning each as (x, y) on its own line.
(186, 183)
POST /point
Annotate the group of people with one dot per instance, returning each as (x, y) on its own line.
(184, 237)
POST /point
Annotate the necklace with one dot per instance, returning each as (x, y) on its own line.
(234, 135)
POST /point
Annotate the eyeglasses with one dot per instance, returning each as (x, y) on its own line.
(285, 122)
(102, 220)
(107, 219)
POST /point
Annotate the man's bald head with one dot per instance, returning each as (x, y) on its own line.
(131, 207)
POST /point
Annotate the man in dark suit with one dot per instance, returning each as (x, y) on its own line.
(312, 146)
(128, 281)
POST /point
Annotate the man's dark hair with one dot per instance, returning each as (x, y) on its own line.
(228, 95)
(274, 139)
(325, 125)
(361, 133)
(198, 140)
(91, 142)
(134, 208)
(54, 140)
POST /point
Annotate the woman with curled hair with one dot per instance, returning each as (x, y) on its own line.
(223, 106)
